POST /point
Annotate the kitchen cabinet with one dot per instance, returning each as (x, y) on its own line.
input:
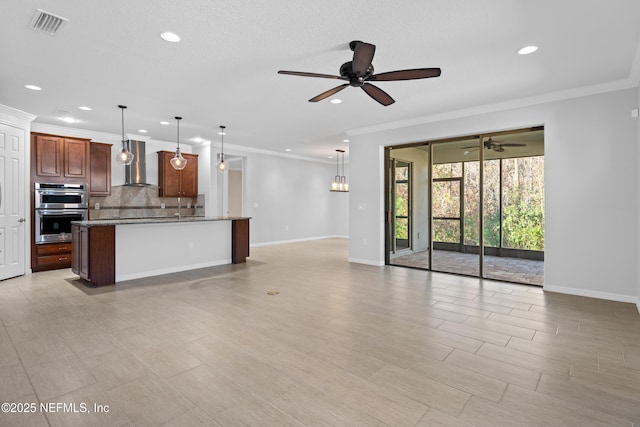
(99, 169)
(93, 255)
(239, 240)
(175, 183)
(51, 256)
(59, 159)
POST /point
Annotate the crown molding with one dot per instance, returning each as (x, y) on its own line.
(507, 105)
(9, 114)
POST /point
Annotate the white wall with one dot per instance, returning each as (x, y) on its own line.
(591, 161)
(289, 199)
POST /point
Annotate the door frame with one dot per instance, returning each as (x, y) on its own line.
(21, 121)
(392, 207)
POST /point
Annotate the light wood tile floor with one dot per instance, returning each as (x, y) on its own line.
(341, 344)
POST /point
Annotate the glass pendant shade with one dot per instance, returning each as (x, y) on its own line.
(178, 162)
(124, 157)
(222, 166)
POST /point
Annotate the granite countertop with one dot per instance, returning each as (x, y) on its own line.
(153, 220)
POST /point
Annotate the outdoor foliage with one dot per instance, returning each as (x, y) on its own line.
(522, 203)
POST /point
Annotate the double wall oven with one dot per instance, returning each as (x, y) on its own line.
(56, 206)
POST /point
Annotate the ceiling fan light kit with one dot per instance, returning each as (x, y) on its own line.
(359, 72)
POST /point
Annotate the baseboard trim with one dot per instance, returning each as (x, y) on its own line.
(594, 294)
(306, 239)
(366, 262)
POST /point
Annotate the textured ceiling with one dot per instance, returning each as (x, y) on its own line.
(224, 71)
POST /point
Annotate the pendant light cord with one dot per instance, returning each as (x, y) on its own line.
(178, 147)
(122, 107)
(222, 142)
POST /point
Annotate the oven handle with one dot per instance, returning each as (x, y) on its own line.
(60, 193)
(61, 211)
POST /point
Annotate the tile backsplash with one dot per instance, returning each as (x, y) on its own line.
(142, 202)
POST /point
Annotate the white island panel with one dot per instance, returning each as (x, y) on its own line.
(144, 250)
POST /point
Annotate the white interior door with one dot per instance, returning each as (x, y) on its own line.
(12, 201)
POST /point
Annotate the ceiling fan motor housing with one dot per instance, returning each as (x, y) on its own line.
(346, 71)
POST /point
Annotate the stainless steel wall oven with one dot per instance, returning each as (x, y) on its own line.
(56, 205)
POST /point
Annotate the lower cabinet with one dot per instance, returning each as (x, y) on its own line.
(93, 257)
(51, 256)
(239, 240)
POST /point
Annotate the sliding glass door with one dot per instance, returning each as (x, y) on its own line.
(447, 199)
(455, 207)
(513, 207)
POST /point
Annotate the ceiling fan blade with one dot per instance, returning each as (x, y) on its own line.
(512, 145)
(362, 58)
(378, 94)
(417, 73)
(468, 148)
(328, 93)
(305, 74)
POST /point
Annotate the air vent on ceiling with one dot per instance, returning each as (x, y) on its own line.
(47, 22)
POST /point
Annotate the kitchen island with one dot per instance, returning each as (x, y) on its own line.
(110, 251)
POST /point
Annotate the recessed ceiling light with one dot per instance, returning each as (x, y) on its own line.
(527, 50)
(170, 37)
(65, 116)
(222, 133)
(33, 87)
(287, 149)
(85, 108)
(329, 157)
(164, 123)
(336, 101)
(143, 130)
(198, 139)
(345, 140)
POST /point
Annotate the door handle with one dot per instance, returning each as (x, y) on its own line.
(21, 220)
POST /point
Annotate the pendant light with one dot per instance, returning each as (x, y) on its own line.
(339, 183)
(124, 157)
(178, 162)
(222, 166)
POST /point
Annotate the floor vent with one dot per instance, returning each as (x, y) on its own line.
(47, 22)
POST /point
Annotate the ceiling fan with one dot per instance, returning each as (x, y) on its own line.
(498, 146)
(359, 72)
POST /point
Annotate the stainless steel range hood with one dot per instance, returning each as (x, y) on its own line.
(135, 174)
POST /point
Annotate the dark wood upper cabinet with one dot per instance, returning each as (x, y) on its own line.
(75, 158)
(59, 159)
(48, 152)
(175, 183)
(100, 169)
